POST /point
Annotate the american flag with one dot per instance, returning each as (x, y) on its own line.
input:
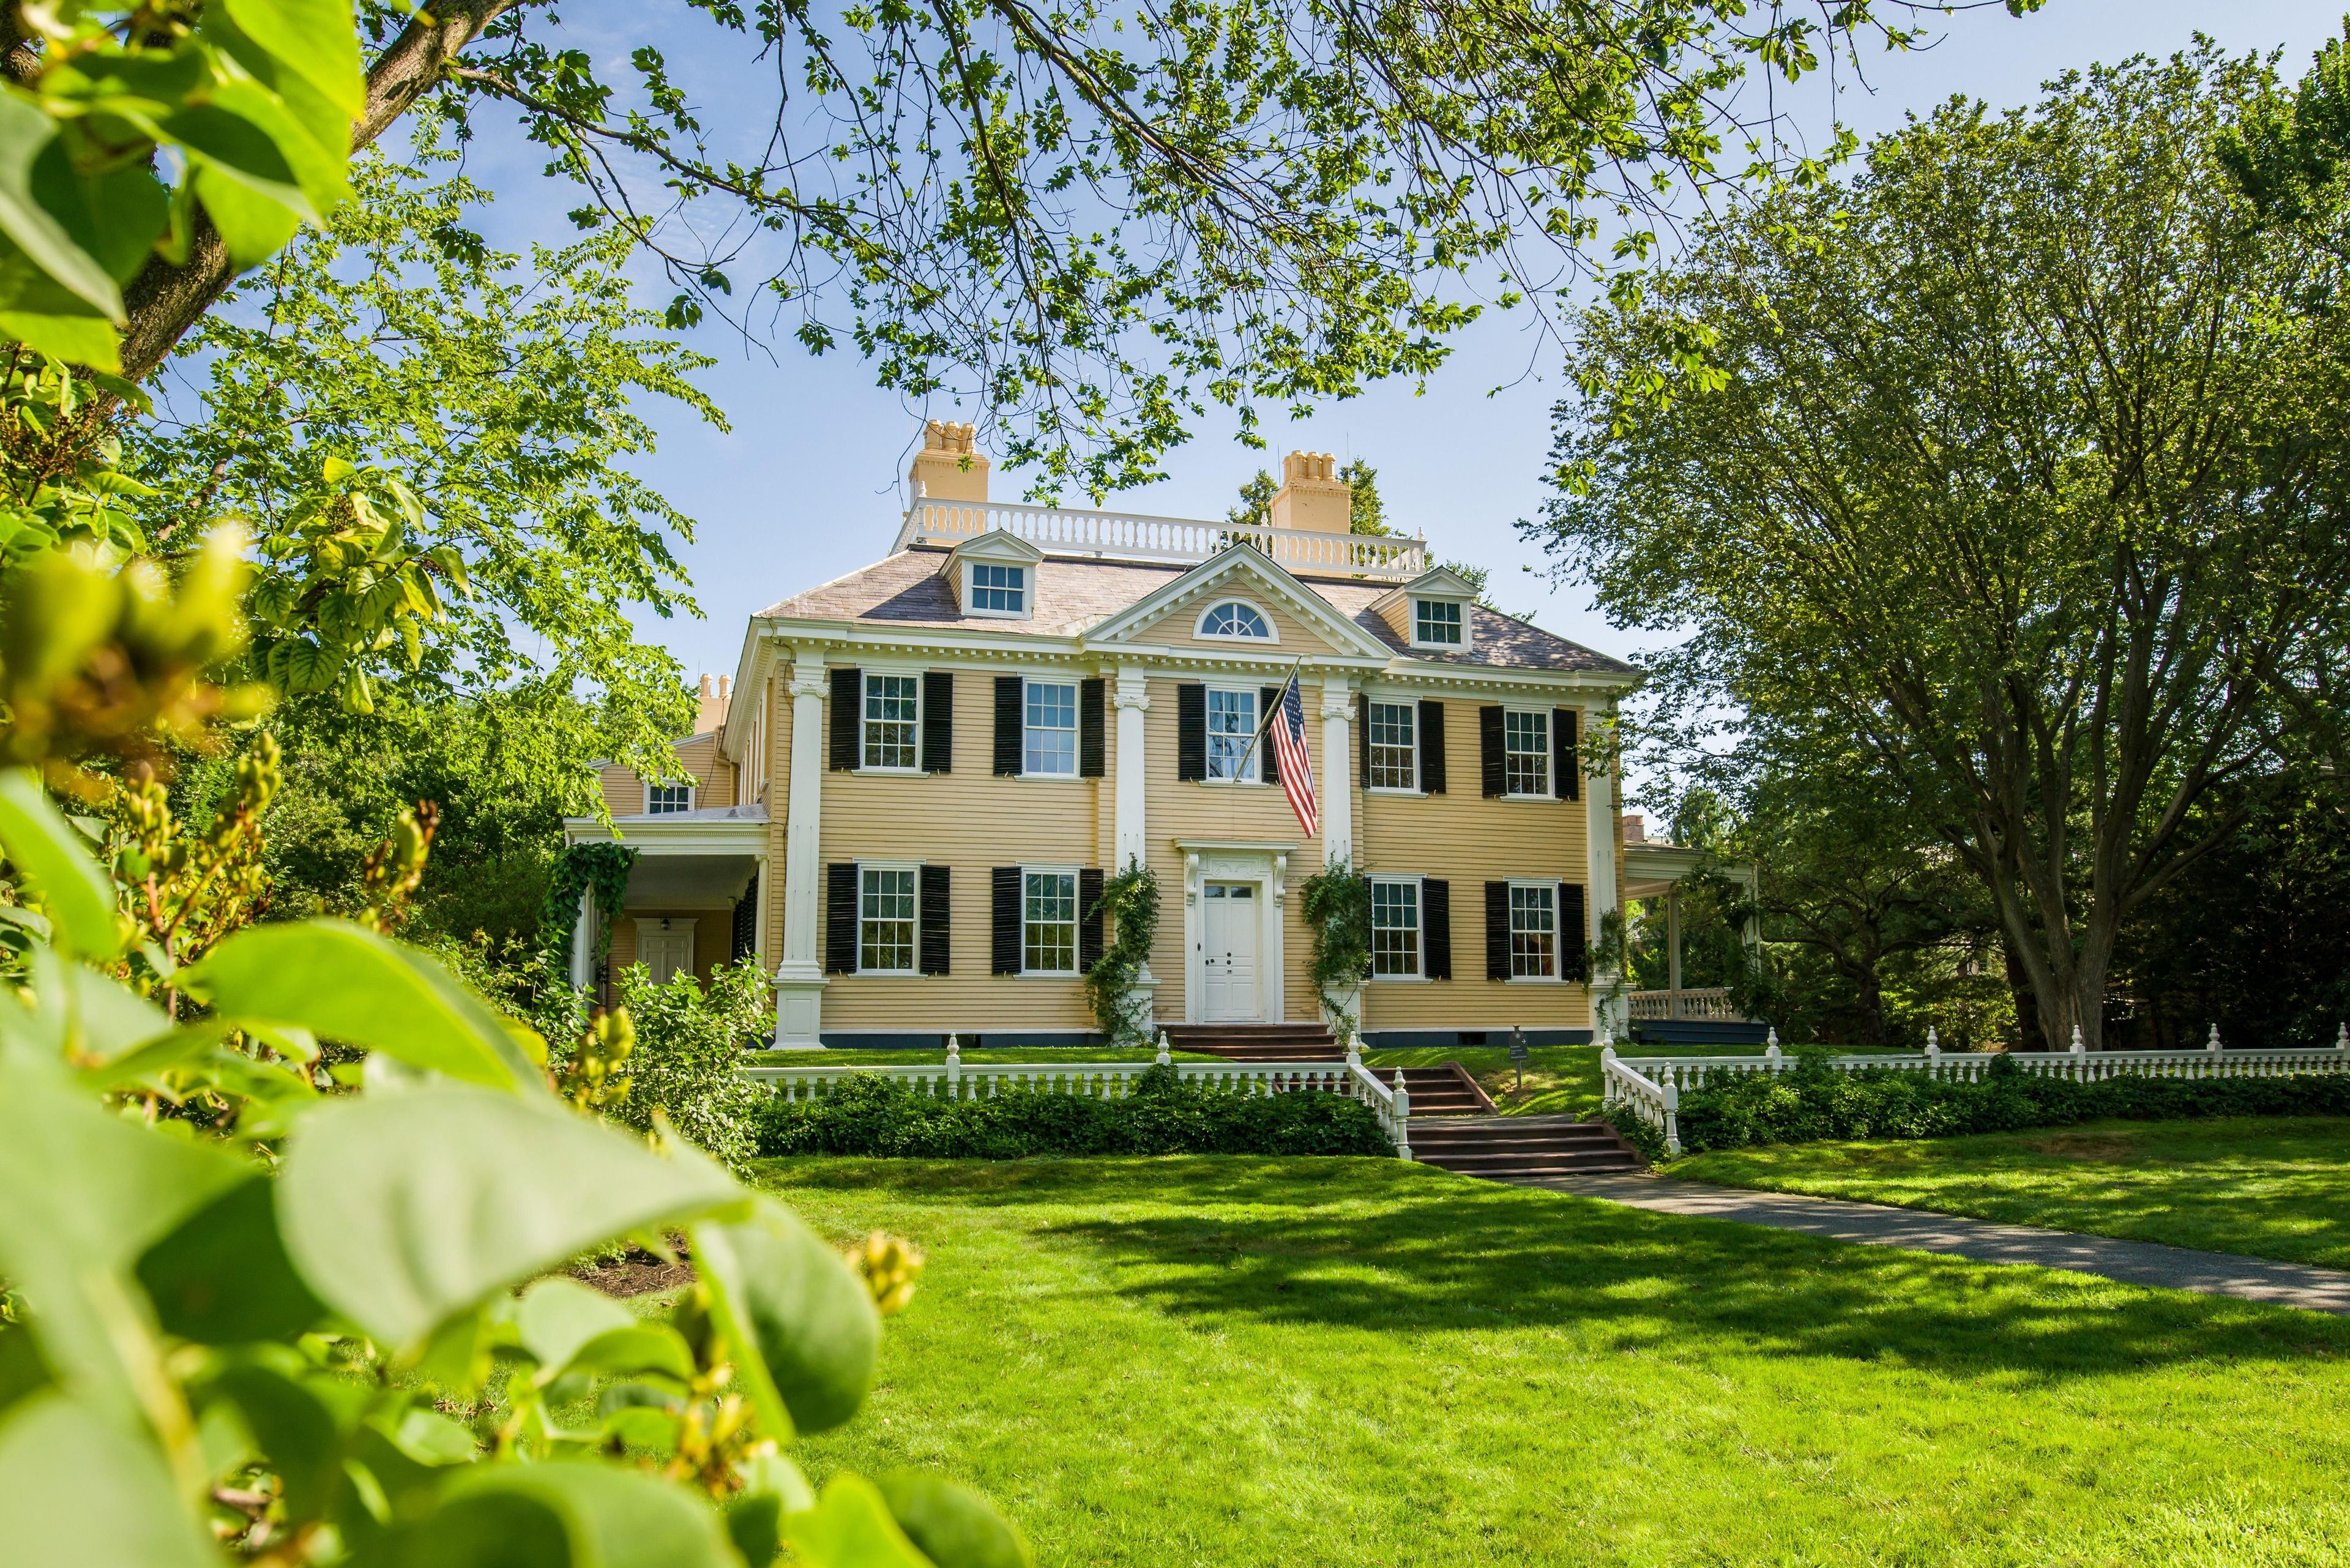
(1296, 770)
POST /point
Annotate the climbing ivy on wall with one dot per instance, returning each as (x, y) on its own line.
(1337, 904)
(1130, 902)
(604, 867)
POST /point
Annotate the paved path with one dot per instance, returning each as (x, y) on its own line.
(1876, 1224)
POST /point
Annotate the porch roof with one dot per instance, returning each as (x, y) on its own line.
(685, 859)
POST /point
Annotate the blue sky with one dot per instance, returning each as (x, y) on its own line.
(806, 485)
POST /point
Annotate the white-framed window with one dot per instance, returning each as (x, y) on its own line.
(1394, 751)
(886, 904)
(667, 799)
(1048, 736)
(1436, 623)
(893, 712)
(1525, 752)
(1533, 931)
(1232, 725)
(1234, 619)
(998, 589)
(1048, 922)
(1395, 927)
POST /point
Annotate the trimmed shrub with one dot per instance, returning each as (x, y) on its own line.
(872, 1114)
(688, 1061)
(1815, 1102)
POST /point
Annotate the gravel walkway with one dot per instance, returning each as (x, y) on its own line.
(1876, 1224)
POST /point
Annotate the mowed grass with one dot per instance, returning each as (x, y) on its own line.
(2270, 1187)
(1225, 1360)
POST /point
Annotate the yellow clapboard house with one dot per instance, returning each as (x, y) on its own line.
(906, 799)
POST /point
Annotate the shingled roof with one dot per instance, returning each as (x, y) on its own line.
(908, 589)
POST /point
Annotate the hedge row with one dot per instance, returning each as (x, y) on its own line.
(1813, 1102)
(1164, 1115)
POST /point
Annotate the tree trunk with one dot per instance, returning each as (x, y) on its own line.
(164, 301)
(2027, 1000)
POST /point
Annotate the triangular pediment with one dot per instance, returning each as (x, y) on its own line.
(1243, 574)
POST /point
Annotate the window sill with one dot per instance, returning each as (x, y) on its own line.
(1045, 778)
(1526, 799)
(891, 773)
(1535, 980)
(1044, 974)
(1233, 784)
(1397, 791)
(884, 974)
(1401, 980)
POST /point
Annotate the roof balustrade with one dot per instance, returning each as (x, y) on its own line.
(1128, 537)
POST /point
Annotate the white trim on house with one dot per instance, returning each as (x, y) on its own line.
(1076, 684)
(1414, 881)
(1239, 560)
(1077, 922)
(996, 548)
(1271, 632)
(913, 926)
(1548, 887)
(1548, 752)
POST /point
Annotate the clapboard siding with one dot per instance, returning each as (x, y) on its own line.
(1469, 840)
(1175, 629)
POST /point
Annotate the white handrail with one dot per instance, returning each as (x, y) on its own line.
(1391, 1106)
(957, 1080)
(1656, 1103)
(1126, 535)
(1969, 1066)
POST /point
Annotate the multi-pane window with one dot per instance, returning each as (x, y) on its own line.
(1436, 621)
(1395, 927)
(1003, 589)
(1534, 932)
(1049, 739)
(893, 707)
(1525, 752)
(1232, 725)
(661, 800)
(1234, 619)
(1048, 922)
(885, 921)
(1395, 761)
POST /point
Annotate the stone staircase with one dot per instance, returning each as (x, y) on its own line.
(1256, 1042)
(1518, 1149)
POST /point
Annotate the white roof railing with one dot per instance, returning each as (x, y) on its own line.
(1128, 537)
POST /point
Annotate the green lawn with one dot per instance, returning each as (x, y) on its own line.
(2269, 1187)
(1223, 1361)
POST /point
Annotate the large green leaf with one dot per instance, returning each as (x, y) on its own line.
(223, 1277)
(297, 1433)
(403, 1209)
(78, 1490)
(49, 859)
(577, 1515)
(254, 225)
(955, 1527)
(557, 1316)
(811, 1318)
(851, 1527)
(314, 39)
(342, 982)
(24, 132)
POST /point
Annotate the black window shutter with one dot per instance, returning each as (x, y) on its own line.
(1363, 727)
(1191, 730)
(1488, 740)
(1564, 753)
(1574, 943)
(1090, 942)
(1007, 725)
(938, 921)
(1436, 927)
(1431, 747)
(1497, 929)
(1093, 748)
(1006, 944)
(1269, 766)
(938, 721)
(848, 709)
(840, 918)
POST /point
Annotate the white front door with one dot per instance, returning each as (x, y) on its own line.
(1229, 929)
(665, 952)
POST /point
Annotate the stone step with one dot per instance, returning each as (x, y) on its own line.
(1517, 1161)
(1256, 1042)
(1435, 1134)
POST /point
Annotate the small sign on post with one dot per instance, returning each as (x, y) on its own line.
(1519, 1054)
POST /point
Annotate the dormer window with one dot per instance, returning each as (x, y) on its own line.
(1002, 590)
(1233, 618)
(1436, 623)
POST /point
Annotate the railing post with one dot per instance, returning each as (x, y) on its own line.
(1672, 1119)
(1403, 1118)
(954, 1067)
(1606, 1077)
(1164, 1056)
(2213, 1043)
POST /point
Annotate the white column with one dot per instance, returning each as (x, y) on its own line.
(1337, 771)
(1673, 937)
(1599, 901)
(1133, 699)
(583, 942)
(799, 978)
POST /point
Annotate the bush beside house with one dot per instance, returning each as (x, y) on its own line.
(1165, 1114)
(1815, 1102)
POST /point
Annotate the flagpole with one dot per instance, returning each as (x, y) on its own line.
(1264, 722)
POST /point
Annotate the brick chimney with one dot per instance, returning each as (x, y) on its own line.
(949, 467)
(1311, 496)
(1636, 828)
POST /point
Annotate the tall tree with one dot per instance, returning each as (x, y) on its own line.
(2007, 461)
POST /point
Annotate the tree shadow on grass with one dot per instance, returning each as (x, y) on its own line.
(1381, 1245)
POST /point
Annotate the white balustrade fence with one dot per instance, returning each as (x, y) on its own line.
(1650, 1086)
(1122, 535)
(955, 1079)
(1708, 1003)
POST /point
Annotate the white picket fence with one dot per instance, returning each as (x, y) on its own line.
(1650, 1087)
(956, 1079)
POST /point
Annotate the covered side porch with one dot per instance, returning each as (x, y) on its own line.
(695, 897)
(1679, 1014)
